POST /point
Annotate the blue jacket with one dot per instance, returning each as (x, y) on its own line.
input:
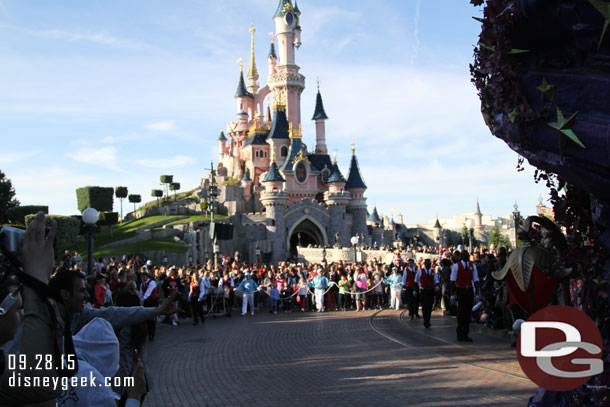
(395, 281)
(248, 286)
(319, 282)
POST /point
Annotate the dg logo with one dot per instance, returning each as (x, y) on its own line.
(560, 348)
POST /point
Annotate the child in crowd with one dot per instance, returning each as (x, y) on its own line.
(302, 294)
(274, 294)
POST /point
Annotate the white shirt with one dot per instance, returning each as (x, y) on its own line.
(429, 272)
(454, 272)
(150, 285)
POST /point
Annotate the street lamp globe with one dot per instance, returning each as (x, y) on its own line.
(354, 240)
(470, 224)
(90, 216)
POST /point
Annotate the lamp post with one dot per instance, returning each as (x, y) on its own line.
(354, 241)
(90, 217)
(470, 227)
(257, 252)
(324, 255)
(516, 221)
(190, 260)
(216, 251)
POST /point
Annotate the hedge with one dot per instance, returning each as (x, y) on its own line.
(100, 198)
(108, 218)
(67, 231)
(18, 213)
(120, 192)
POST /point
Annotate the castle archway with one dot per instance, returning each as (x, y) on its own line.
(306, 232)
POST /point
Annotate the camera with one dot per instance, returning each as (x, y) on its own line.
(11, 239)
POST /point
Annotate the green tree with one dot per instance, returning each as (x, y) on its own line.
(157, 193)
(167, 179)
(497, 238)
(174, 186)
(7, 197)
(134, 199)
(121, 193)
(465, 235)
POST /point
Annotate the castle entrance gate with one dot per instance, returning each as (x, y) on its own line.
(306, 234)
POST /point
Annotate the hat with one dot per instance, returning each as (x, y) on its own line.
(319, 271)
(149, 262)
(246, 273)
(395, 268)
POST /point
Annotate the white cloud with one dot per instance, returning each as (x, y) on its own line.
(167, 125)
(12, 157)
(167, 163)
(102, 38)
(100, 157)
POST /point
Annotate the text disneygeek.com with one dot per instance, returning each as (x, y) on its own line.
(19, 380)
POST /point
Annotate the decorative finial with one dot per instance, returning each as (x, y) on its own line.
(272, 37)
(540, 199)
(335, 156)
(353, 148)
(252, 29)
(240, 61)
(516, 206)
(290, 134)
(272, 155)
(318, 82)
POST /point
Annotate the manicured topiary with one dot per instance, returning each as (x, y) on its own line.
(68, 229)
(18, 213)
(100, 198)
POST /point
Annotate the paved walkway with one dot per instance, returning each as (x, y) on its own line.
(333, 358)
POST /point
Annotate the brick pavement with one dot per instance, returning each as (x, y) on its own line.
(334, 358)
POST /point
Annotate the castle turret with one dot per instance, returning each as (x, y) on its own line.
(337, 199)
(246, 184)
(478, 217)
(275, 201)
(320, 117)
(279, 137)
(436, 231)
(245, 99)
(287, 83)
(357, 206)
(222, 140)
(272, 57)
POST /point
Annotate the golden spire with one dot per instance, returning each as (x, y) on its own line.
(335, 156)
(252, 72)
(353, 148)
(272, 154)
(240, 61)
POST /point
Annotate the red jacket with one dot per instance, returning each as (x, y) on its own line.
(100, 295)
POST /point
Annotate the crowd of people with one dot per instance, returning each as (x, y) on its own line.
(418, 285)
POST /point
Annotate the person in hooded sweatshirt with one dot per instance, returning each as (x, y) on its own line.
(97, 349)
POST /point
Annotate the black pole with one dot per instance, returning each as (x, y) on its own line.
(90, 254)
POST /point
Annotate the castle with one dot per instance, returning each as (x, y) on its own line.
(267, 174)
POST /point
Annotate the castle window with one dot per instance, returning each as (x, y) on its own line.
(301, 172)
(283, 151)
(256, 154)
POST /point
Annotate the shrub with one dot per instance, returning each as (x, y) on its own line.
(100, 198)
(68, 229)
(120, 192)
(18, 213)
(108, 218)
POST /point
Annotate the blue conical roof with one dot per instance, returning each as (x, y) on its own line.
(437, 224)
(336, 175)
(273, 175)
(374, 216)
(241, 87)
(296, 7)
(246, 177)
(354, 179)
(280, 127)
(319, 112)
(272, 53)
(222, 136)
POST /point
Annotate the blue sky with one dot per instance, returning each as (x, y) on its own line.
(112, 92)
